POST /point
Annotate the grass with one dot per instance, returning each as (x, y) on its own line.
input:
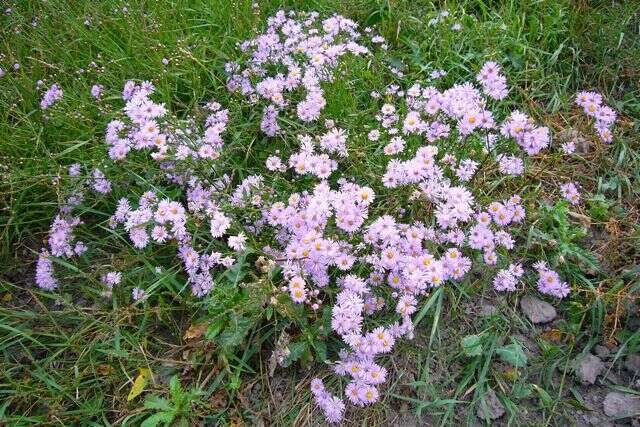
(70, 357)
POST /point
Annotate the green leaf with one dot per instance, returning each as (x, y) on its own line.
(237, 271)
(321, 350)
(235, 332)
(234, 383)
(160, 417)
(297, 350)
(513, 354)
(472, 345)
(157, 402)
(545, 398)
(427, 306)
(521, 391)
(396, 63)
(325, 322)
(175, 388)
(214, 329)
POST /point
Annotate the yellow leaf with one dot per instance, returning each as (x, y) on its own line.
(139, 384)
(7, 297)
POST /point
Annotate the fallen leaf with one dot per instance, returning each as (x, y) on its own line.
(236, 421)
(139, 384)
(511, 374)
(7, 297)
(103, 369)
(196, 331)
(553, 335)
(219, 400)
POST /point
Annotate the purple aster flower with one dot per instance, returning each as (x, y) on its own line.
(96, 90)
(53, 94)
(44, 272)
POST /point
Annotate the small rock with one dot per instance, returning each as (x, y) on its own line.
(487, 310)
(588, 368)
(407, 419)
(536, 310)
(602, 351)
(599, 421)
(494, 408)
(633, 363)
(621, 405)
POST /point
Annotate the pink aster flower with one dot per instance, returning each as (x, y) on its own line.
(510, 165)
(569, 147)
(570, 193)
(505, 281)
(549, 283)
(112, 278)
(138, 294)
(219, 224)
(100, 183)
(237, 243)
(96, 90)
(44, 272)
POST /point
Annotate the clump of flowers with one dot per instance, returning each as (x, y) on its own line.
(332, 406)
(605, 116)
(521, 128)
(507, 279)
(100, 183)
(304, 52)
(307, 161)
(44, 272)
(138, 294)
(332, 238)
(63, 244)
(494, 83)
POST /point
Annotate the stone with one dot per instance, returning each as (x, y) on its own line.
(536, 310)
(632, 364)
(602, 351)
(588, 368)
(621, 405)
(487, 310)
(494, 408)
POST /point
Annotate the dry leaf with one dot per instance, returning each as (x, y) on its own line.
(554, 335)
(236, 422)
(103, 369)
(196, 331)
(219, 400)
(511, 374)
